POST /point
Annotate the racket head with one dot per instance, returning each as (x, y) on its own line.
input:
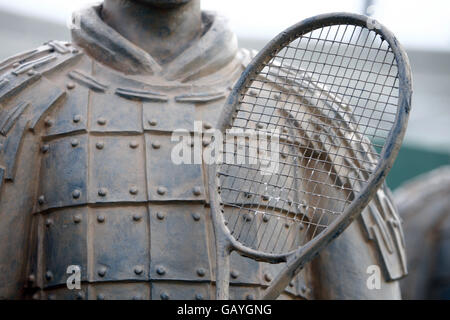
(391, 138)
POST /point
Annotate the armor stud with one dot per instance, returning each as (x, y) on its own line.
(77, 218)
(161, 270)
(76, 194)
(41, 200)
(48, 122)
(156, 145)
(199, 296)
(102, 271)
(197, 191)
(138, 270)
(100, 296)
(249, 297)
(201, 272)
(165, 296)
(234, 274)
(101, 121)
(101, 218)
(153, 122)
(74, 143)
(134, 190)
(134, 144)
(267, 277)
(161, 191)
(196, 216)
(77, 118)
(48, 275)
(137, 217)
(48, 222)
(100, 145)
(160, 215)
(102, 192)
(71, 85)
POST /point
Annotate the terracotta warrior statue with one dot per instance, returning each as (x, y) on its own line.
(424, 205)
(87, 186)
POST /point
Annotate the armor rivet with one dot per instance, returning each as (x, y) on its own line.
(101, 218)
(71, 86)
(76, 118)
(138, 270)
(250, 297)
(260, 126)
(100, 145)
(134, 144)
(161, 270)
(291, 284)
(234, 274)
(196, 216)
(164, 296)
(265, 197)
(80, 295)
(304, 289)
(101, 121)
(248, 195)
(301, 226)
(161, 191)
(45, 148)
(201, 272)
(102, 192)
(206, 142)
(283, 155)
(286, 225)
(160, 215)
(267, 277)
(197, 191)
(153, 122)
(48, 122)
(48, 275)
(100, 296)
(137, 297)
(247, 217)
(207, 125)
(137, 217)
(102, 271)
(198, 296)
(31, 278)
(31, 73)
(76, 194)
(134, 190)
(48, 222)
(75, 143)
(266, 218)
(156, 145)
(77, 218)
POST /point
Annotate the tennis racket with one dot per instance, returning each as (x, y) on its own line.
(316, 121)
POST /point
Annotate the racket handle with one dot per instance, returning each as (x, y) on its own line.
(222, 272)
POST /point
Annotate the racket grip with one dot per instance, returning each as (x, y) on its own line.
(222, 272)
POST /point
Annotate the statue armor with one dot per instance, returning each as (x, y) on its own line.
(85, 180)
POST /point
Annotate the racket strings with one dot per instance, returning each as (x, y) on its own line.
(329, 99)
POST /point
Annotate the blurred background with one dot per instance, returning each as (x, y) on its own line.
(423, 27)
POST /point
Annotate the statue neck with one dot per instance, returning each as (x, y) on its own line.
(163, 32)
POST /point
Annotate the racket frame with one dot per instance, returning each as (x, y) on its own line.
(295, 260)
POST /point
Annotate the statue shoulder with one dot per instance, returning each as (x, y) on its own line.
(28, 90)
